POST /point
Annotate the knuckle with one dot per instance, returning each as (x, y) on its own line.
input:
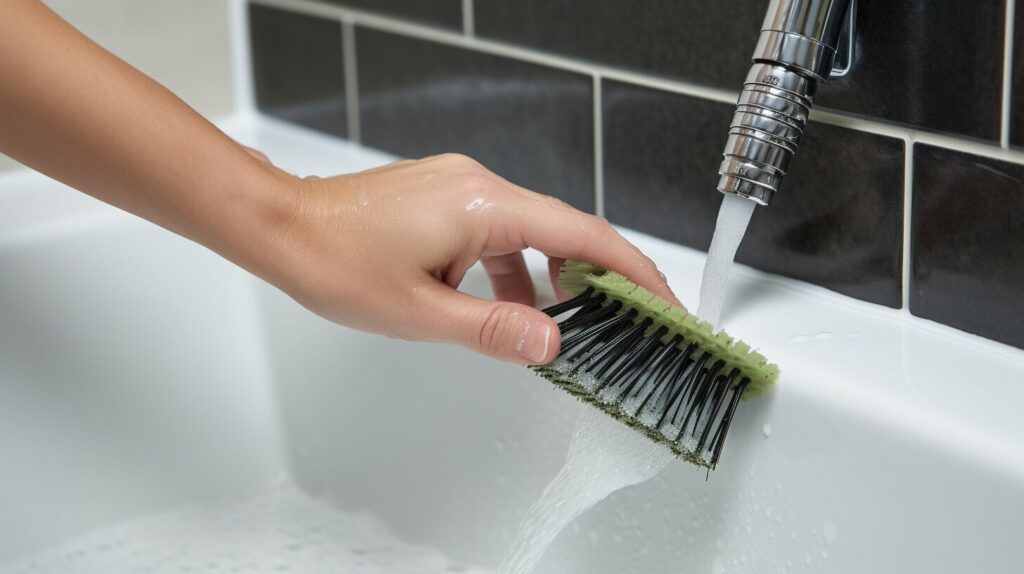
(600, 229)
(478, 182)
(493, 327)
(558, 203)
(460, 160)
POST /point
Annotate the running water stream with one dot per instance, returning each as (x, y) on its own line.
(604, 454)
(733, 218)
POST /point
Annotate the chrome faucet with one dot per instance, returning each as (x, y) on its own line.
(798, 48)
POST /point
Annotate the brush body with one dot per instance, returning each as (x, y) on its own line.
(650, 364)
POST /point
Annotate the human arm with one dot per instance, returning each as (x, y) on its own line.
(382, 250)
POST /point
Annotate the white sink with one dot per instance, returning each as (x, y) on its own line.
(140, 373)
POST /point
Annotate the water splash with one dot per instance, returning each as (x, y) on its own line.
(733, 218)
(604, 456)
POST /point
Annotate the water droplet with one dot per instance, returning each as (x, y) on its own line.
(766, 430)
(829, 531)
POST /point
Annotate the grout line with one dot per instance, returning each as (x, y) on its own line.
(961, 144)
(1011, 8)
(241, 59)
(598, 148)
(348, 40)
(908, 215)
(386, 24)
(468, 20)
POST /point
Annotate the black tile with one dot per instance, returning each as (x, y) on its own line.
(836, 222)
(531, 124)
(968, 243)
(444, 13)
(700, 41)
(1017, 93)
(297, 68)
(933, 64)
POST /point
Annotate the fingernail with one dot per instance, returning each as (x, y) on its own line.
(533, 344)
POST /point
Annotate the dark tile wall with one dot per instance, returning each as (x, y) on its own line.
(934, 65)
(1017, 84)
(531, 124)
(836, 223)
(297, 68)
(444, 13)
(968, 243)
(695, 40)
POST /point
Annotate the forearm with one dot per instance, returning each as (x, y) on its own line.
(75, 112)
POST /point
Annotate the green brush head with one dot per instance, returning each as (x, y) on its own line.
(651, 364)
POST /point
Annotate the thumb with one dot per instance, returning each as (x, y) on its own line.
(501, 329)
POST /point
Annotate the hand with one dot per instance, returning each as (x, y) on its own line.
(384, 251)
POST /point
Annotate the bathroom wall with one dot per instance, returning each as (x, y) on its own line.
(908, 190)
(184, 44)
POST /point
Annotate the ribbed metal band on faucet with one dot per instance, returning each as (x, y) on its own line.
(795, 51)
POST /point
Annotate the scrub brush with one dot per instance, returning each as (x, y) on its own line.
(651, 364)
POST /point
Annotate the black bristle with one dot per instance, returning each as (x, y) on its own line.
(685, 386)
(723, 428)
(663, 357)
(718, 392)
(611, 355)
(566, 306)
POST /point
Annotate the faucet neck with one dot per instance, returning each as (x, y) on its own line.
(796, 50)
(802, 35)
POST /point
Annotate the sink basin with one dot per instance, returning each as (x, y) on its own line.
(139, 373)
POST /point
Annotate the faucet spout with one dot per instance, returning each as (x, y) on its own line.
(796, 50)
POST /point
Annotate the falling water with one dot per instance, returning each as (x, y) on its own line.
(733, 218)
(606, 455)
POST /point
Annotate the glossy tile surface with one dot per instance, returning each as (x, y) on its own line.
(706, 42)
(933, 64)
(836, 221)
(1017, 93)
(297, 68)
(968, 242)
(529, 123)
(443, 13)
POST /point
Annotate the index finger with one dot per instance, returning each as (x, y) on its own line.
(559, 230)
